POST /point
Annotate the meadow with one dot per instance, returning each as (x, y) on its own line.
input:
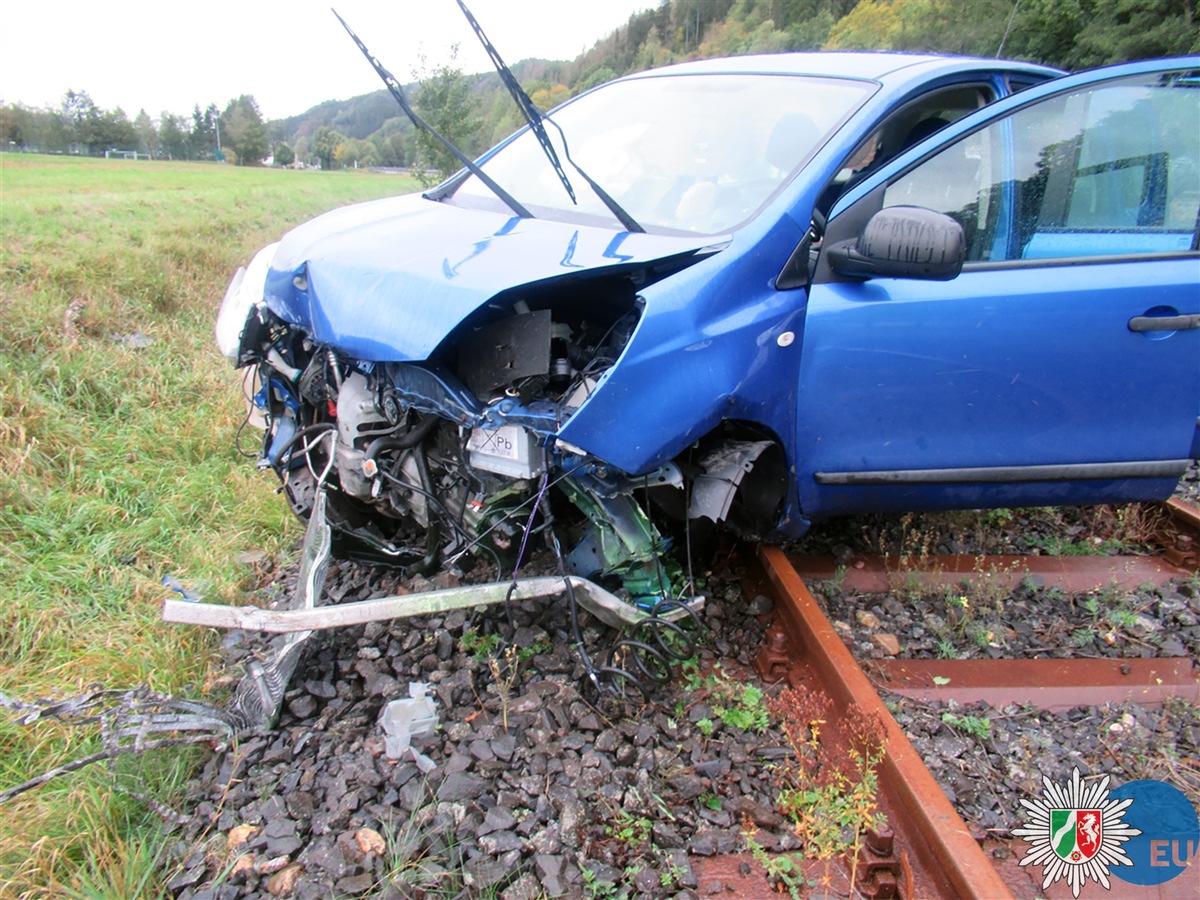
(118, 466)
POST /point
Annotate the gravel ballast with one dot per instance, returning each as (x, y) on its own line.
(539, 790)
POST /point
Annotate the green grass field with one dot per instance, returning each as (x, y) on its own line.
(117, 467)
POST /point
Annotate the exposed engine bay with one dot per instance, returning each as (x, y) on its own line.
(456, 459)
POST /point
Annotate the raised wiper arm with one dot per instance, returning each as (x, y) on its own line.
(614, 207)
(534, 117)
(528, 109)
(397, 92)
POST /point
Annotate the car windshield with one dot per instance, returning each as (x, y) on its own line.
(695, 153)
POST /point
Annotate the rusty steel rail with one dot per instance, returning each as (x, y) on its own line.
(943, 858)
(1050, 684)
(1179, 537)
(937, 852)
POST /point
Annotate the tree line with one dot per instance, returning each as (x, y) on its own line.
(1069, 34)
(236, 134)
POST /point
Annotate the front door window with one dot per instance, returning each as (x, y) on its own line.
(1107, 170)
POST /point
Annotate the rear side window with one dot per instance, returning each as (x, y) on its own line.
(1107, 170)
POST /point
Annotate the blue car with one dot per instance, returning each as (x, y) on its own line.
(768, 290)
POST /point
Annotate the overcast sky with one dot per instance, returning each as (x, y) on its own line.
(290, 56)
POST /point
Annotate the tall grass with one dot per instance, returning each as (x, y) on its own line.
(117, 467)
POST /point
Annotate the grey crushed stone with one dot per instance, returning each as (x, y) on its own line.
(523, 812)
(518, 812)
(1029, 622)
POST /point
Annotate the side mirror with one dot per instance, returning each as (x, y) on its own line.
(903, 242)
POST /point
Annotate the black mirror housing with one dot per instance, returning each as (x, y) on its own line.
(903, 242)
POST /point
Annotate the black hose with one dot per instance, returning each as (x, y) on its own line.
(406, 441)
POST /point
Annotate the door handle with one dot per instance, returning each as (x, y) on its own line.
(1164, 323)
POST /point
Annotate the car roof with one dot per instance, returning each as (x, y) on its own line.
(840, 64)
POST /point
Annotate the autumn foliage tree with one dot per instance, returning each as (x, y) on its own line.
(445, 101)
(243, 132)
(324, 145)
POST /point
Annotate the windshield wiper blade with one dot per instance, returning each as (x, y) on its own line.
(614, 207)
(397, 92)
(534, 117)
(528, 109)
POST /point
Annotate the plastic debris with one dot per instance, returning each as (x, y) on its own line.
(186, 593)
(404, 720)
(135, 341)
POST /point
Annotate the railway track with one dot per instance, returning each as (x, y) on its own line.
(929, 850)
(687, 797)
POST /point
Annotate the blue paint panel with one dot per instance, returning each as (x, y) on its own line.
(1011, 367)
(388, 280)
(707, 349)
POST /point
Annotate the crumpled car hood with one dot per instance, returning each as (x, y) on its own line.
(389, 279)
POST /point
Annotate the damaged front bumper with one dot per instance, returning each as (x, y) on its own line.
(259, 696)
(448, 388)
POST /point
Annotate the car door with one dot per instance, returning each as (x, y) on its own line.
(1062, 364)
